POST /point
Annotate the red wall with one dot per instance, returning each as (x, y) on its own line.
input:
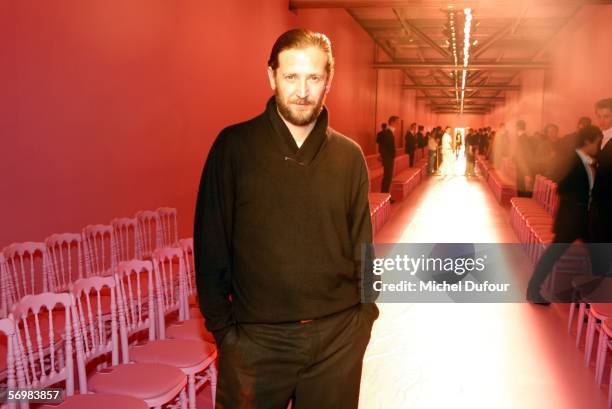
(579, 75)
(110, 107)
(461, 121)
(582, 61)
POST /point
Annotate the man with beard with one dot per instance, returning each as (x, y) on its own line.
(283, 244)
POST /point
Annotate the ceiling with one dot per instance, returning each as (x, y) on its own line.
(509, 35)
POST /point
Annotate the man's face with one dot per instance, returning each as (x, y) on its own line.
(300, 84)
(604, 116)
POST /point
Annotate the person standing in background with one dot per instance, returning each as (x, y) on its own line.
(411, 142)
(379, 135)
(471, 143)
(572, 217)
(501, 145)
(447, 166)
(387, 152)
(522, 158)
(421, 140)
(432, 151)
(601, 198)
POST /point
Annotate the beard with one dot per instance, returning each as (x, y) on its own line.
(299, 117)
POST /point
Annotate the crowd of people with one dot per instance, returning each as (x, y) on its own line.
(443, 148)
(579, 162)
(581, 165)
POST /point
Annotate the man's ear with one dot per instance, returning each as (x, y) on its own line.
(330, 77)
(272, 78)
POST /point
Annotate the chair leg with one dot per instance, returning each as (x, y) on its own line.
(213, 382)
(600, 360)
(183, 399)
(610, 390)
(192, 391)
(570, 319)
(580, 323)
(590, 334)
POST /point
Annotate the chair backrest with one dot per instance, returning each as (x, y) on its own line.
(537, 189)
(66, 260)
(99, 243)
(169, 226)
(149, 229)
(554, 200)
(4, 303)
(187, 246)
(93, 335)
(43, 324)
(136, 299)
(127, 239)
(27, 265)
(171, 295)
(7, 328)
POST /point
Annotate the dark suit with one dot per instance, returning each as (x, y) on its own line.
(387, 153)
(571, 220)
(379, 137)
(421, 143)
(410, 144)
(601, 209)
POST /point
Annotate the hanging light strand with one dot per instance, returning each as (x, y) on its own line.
(466, 51)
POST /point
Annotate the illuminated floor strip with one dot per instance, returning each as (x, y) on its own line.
(470, 356)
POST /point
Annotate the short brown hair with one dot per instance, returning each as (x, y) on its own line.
(301, 38)
(588, 134)
(604, 103)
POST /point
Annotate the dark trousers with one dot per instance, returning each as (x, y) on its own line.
(558, 247)
(600, 230)
(411, 156)
(432, 161)
(387, 175)
(316, 364)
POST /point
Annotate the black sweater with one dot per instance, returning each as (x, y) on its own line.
(279, 229)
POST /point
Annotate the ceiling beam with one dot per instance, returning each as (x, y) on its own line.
(414, 80)
(390, 52)
(500, 99)
(408, 27)
(449, 66)
(455, 107)
(485, 45)
(501, 34)
(464, 111)
(354, 4)
(448, 87)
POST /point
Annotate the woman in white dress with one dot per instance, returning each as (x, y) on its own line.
(447, 165)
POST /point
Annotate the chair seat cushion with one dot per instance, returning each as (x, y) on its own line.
(99, 401)
(143, 381)
(190, 329)
(182, 353)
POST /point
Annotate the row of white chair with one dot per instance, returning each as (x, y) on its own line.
(31, 268)
(104, 314)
